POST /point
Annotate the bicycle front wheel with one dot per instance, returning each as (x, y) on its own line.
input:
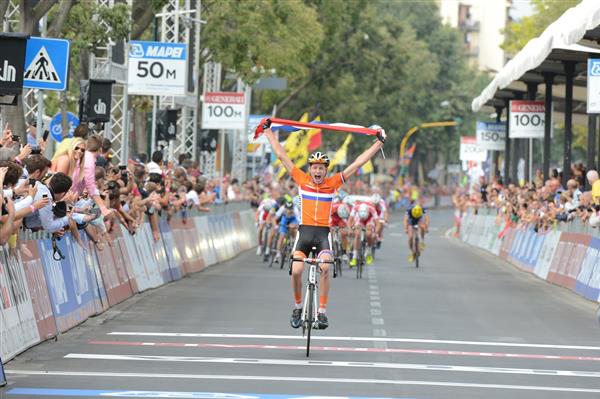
(310, 317)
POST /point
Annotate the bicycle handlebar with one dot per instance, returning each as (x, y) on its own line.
(312, 260)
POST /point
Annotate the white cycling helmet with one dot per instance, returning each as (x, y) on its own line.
(270, 204)
(337, 199)
(343, 211)
(376, 198)
(363, 212)
(348, 201)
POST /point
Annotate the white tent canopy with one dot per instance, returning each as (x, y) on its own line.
(564, 33)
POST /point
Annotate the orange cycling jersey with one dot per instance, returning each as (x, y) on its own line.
(315, 199)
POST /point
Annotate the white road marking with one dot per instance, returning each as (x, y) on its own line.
(298, 379)
(377, 321)
(382, 365)
(375, 312)
(337, 338)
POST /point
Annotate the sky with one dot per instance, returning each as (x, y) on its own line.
(521, 8)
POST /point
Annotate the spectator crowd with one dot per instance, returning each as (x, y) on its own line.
(540, 205)
(81, 189)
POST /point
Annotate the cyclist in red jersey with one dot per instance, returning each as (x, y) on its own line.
(316, 193)
(363, 215)
(340, 213)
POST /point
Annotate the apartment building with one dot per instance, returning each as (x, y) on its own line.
(481, 22)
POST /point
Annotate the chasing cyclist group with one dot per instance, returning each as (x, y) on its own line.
(311, 217)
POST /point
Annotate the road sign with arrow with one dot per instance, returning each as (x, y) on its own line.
(46, 64)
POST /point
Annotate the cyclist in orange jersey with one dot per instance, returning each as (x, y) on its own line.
(316, 192)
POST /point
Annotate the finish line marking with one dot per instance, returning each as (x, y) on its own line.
(299, 379)
(370, 339)
(349, 349)
(280, 362)
(165, 394)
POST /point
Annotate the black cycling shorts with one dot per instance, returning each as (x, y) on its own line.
(308, 237)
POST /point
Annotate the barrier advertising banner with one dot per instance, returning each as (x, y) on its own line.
(42, 296)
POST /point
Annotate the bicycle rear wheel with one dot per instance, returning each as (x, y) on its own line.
(361, 260)
(309, 319)
(416, 249)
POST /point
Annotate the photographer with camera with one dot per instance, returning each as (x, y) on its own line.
(55, 216)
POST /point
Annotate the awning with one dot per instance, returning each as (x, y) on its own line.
(562, 34)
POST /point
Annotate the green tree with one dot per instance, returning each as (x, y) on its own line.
(518, 33)
(253, 37)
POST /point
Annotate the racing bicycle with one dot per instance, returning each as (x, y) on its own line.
(416, 249)
(311, 300)
(362, 252)
(337, 250)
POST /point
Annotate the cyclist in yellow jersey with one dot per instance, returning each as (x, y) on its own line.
(316, 193)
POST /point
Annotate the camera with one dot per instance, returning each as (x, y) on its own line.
(36, 150)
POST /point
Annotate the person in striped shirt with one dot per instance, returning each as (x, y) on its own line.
(316, 193)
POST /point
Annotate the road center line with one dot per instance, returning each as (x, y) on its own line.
(299, 379)
(349, 349)
(337, 338)
(382, 365)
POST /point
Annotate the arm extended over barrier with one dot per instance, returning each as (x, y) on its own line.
(43, 297)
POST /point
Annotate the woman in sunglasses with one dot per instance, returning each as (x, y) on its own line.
(69, 159)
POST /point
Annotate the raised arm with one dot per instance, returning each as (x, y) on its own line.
(364, 157)
(279, 151)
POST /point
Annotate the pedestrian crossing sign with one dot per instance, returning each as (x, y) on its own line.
(46, 64)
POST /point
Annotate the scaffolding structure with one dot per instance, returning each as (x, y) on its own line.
(180, 23)
(240, 139)
(212, 83)
(103, 67)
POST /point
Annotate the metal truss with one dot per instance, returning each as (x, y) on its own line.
(177, 19)
(240, 139)
(212, 83)
(102, 67)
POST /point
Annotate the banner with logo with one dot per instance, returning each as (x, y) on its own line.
(12, 64)
(593, 87)
(491, 135)
(470, 151)
(99, 100)
(224, 110)
(526, 119)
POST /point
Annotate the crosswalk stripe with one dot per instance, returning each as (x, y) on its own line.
(299, 379)
(368, 339)
(324, 363)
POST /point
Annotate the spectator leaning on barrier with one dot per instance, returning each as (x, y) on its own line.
(66, 162)
(54, 216)
(85, 178)
(80, 131)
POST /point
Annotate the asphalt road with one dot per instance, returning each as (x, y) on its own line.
(463, 325)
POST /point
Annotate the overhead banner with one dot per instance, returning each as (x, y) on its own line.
(526, 119)
(224, 110)
(157, 68)
(491, 135)
(470, 151)
(593, 87)
(12, 64)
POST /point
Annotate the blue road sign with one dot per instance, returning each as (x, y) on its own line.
(56, 125)
(46, 64)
